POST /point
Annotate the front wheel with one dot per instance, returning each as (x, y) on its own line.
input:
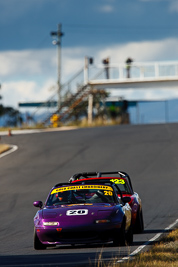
(37, 244)
(139, 225)
(129, 236)
(120, 237)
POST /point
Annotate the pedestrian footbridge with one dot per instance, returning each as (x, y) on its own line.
(143, 75)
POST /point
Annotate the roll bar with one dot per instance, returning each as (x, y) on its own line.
(98, 174)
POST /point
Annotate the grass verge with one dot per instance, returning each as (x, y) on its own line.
(4, 148)
(163, 254)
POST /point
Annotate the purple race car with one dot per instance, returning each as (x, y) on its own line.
(83, 214)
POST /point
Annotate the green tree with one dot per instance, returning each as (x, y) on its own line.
(13, 116)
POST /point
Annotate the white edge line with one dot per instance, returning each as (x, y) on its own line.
(12, 149)
(148, 242)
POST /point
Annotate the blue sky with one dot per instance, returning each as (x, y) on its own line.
(27, 24)
(146, 30)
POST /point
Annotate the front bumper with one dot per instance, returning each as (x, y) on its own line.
(97, 234)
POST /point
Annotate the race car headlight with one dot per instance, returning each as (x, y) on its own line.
(50, 223)
(102, 221)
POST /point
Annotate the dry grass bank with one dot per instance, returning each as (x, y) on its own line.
(3, 148)
(162, 254)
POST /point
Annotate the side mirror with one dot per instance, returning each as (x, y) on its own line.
(38, 204)
(126, 199)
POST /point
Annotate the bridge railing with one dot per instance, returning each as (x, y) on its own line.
(138, 70)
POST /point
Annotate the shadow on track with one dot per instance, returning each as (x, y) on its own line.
(75, 258)
(61, 259)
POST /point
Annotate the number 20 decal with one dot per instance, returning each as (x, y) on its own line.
(108, 193)
(118, 181)
(76, 212)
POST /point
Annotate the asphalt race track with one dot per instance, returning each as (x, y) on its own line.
(149, 153)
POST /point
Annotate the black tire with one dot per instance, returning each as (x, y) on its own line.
(37, 244)
(129, 236)
(139, 225)
(120, 237)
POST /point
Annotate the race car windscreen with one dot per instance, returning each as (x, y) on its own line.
(121, 183)
(81, 194)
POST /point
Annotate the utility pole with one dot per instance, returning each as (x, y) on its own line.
(0, 95)
(58, 34)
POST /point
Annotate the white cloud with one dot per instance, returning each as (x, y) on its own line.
(27, 62)
(173, 6)
(143, 51)
(72, 60)
(29, 75)
(24, 91)
(106, 8)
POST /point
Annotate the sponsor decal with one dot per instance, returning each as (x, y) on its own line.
(76, 212)
(83, 187)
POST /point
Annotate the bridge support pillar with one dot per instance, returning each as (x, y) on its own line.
(90, 109)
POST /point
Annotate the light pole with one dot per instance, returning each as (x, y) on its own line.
(58, 34)
(0, 95)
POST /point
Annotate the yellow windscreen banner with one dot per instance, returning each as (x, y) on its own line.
(78, 187)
